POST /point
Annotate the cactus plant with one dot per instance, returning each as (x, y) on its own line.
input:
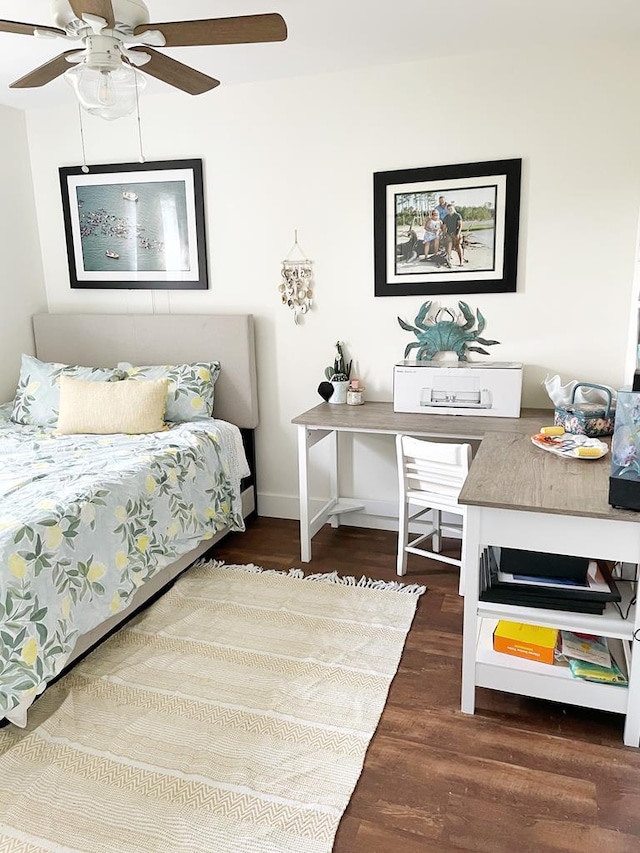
(340, 371)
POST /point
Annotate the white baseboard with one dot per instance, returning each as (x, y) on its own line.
(377, 515)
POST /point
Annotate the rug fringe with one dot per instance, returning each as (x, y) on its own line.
(368, 583)
(331, 577)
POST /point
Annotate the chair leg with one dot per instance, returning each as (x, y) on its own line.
(403, 537)
(435, 539)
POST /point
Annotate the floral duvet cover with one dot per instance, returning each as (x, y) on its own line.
(86, 520)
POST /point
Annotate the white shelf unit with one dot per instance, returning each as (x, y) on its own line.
(513, 674)
(610, 624)
(608, 539)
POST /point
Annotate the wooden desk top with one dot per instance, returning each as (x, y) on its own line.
(380, 418)
(509, 472)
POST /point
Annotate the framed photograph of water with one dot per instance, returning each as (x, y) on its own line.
(447, 230)
(135, 225)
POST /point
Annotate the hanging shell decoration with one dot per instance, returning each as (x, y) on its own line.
(297, 279)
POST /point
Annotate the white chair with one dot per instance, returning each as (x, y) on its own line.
(431, 475)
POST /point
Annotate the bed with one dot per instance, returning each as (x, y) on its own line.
(91, 527)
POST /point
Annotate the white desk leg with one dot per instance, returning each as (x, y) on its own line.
(463, 554)
(471, 574)
(632, 719)
(333, 476)
(303, 483)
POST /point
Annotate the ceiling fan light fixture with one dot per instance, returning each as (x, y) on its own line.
(107, 93)
(117, 37)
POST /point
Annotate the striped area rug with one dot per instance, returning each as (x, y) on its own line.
(233, 716)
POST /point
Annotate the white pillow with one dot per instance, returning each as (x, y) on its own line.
(103, 408)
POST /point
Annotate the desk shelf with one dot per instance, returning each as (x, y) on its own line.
(609, 624)
(512, 674)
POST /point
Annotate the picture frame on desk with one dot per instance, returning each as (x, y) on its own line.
(481, 256)
(135, 226)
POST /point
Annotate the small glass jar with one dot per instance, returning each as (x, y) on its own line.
(355, 396)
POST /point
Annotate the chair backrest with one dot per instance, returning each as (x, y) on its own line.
(432, 468)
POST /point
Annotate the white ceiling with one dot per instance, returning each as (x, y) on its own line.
(334, 35)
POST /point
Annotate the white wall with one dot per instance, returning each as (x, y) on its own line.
(21, 285)
(300, 154)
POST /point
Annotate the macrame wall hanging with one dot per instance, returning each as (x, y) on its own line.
(297, 280)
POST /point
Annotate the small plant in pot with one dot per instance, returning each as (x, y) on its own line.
(338, 375)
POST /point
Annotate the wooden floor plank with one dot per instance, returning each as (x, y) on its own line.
(475, 825)
(376, 839)
(520, 775)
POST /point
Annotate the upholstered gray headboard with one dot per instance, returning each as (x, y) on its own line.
(97, 340)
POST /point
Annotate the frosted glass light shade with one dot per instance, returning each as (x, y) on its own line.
(109, 94)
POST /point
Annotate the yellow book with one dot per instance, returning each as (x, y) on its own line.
(533, 642)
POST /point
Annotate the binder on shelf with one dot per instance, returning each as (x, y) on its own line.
(596, 586)
(591, 596)
(538, 564)
(541, 603)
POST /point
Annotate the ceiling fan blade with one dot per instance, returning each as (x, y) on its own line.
(45, 73)
(21, 29)
(176, 73)
(99, 8)
(244, 29)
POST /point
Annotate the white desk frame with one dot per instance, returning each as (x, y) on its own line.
(326, 421)
(518, 497)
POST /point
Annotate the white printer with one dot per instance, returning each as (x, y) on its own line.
(492, 389)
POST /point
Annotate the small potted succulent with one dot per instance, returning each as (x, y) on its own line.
(338, 375)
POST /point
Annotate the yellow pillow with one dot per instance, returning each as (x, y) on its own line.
(102, 408)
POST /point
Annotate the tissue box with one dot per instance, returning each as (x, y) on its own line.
(491, 389)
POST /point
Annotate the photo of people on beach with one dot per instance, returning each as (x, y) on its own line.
(445, 230)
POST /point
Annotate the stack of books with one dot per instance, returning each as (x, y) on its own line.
(550, 581)
(589, 657)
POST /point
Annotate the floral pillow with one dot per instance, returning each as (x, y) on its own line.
(37, 400)
(190, 394)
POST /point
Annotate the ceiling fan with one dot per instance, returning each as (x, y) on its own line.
(117, 38)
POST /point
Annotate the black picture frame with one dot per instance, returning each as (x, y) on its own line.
(135, 226)
(488, 257)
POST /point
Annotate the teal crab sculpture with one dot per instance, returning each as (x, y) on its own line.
(435, 335)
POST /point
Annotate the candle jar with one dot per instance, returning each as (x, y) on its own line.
(355, 396)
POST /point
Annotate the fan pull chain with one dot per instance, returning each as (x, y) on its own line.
(85, 168)
(139, 122)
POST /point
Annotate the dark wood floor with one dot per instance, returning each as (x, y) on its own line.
(521, 775)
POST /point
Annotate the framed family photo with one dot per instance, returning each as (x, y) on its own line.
(447, 229)
(135, 225)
